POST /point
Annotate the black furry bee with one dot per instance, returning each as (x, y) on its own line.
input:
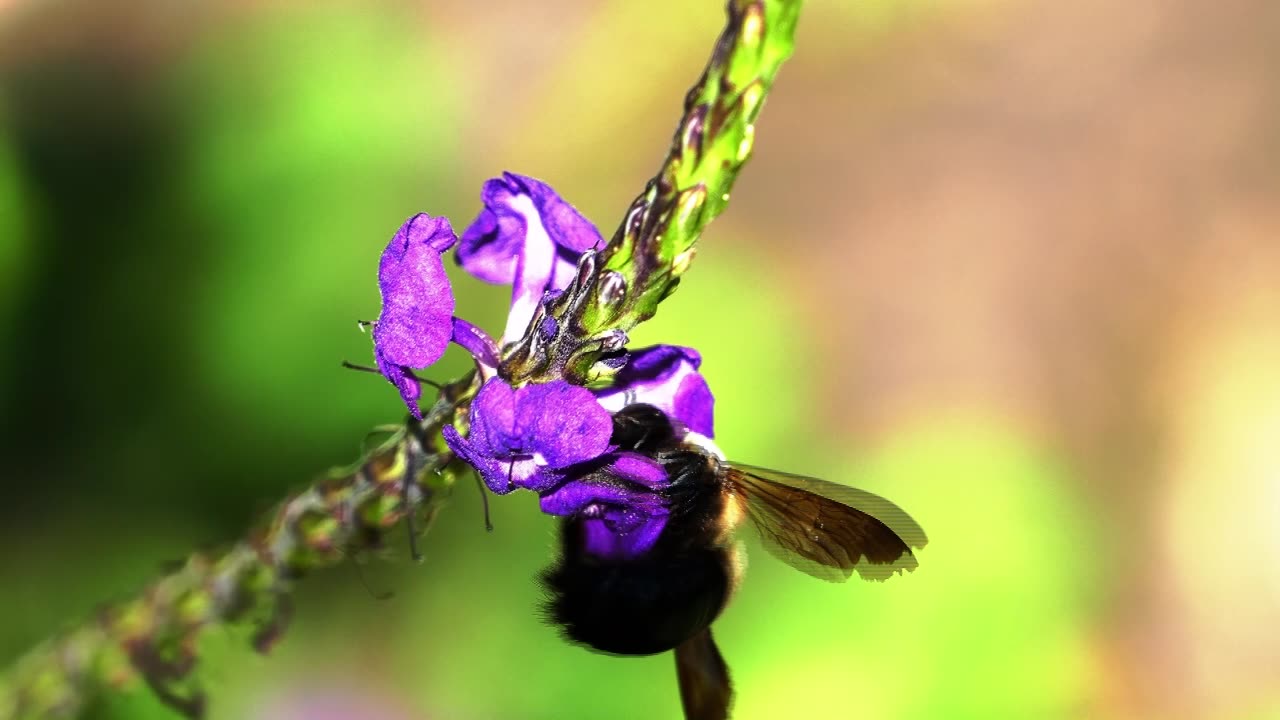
(668, 597)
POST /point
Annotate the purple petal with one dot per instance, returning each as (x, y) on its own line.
(694, 405)
(528, 236)
(522, 438)
(493, 419)
(562, 422)
(638, 469)
(667, 377)
(477, 342)
(597, 495)
(566, 226)
(619, 520)
(492, 243)
(417, 302)
(603, 539)
(492, 472)
(399, 376)
(537, 477)
(500, 475)
(416, 321)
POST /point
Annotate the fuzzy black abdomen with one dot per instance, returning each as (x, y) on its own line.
(638, 607)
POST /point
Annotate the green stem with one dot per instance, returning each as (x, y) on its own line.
(155, 636)
(654, 244)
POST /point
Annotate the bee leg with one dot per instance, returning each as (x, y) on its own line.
(705, 690)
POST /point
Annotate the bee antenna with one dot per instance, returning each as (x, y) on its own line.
(365, 368)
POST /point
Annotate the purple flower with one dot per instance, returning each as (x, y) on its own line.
(416, 321)
(667, 377)
(528, 236)
(552, 438)
(621, 506)
(526, 437)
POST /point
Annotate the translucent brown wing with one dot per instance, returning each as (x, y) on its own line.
(824, 529)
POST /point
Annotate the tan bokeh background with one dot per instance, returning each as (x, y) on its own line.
(1013, 263)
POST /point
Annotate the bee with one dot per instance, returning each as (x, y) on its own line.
(667, 597)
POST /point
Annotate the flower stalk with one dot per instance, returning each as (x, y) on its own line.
(155, 636)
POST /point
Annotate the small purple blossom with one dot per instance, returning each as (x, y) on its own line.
(415, 324)
(552, 438)
(526, 235)
(667, 377)
(523, 438)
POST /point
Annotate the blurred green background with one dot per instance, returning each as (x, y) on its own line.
(1012, 263)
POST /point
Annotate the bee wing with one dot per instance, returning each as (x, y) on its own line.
(825, 529)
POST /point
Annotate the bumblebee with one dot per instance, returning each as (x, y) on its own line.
(666, 597)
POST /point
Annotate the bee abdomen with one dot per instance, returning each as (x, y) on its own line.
(639, 607)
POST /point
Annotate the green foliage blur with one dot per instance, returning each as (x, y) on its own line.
(192, 203)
